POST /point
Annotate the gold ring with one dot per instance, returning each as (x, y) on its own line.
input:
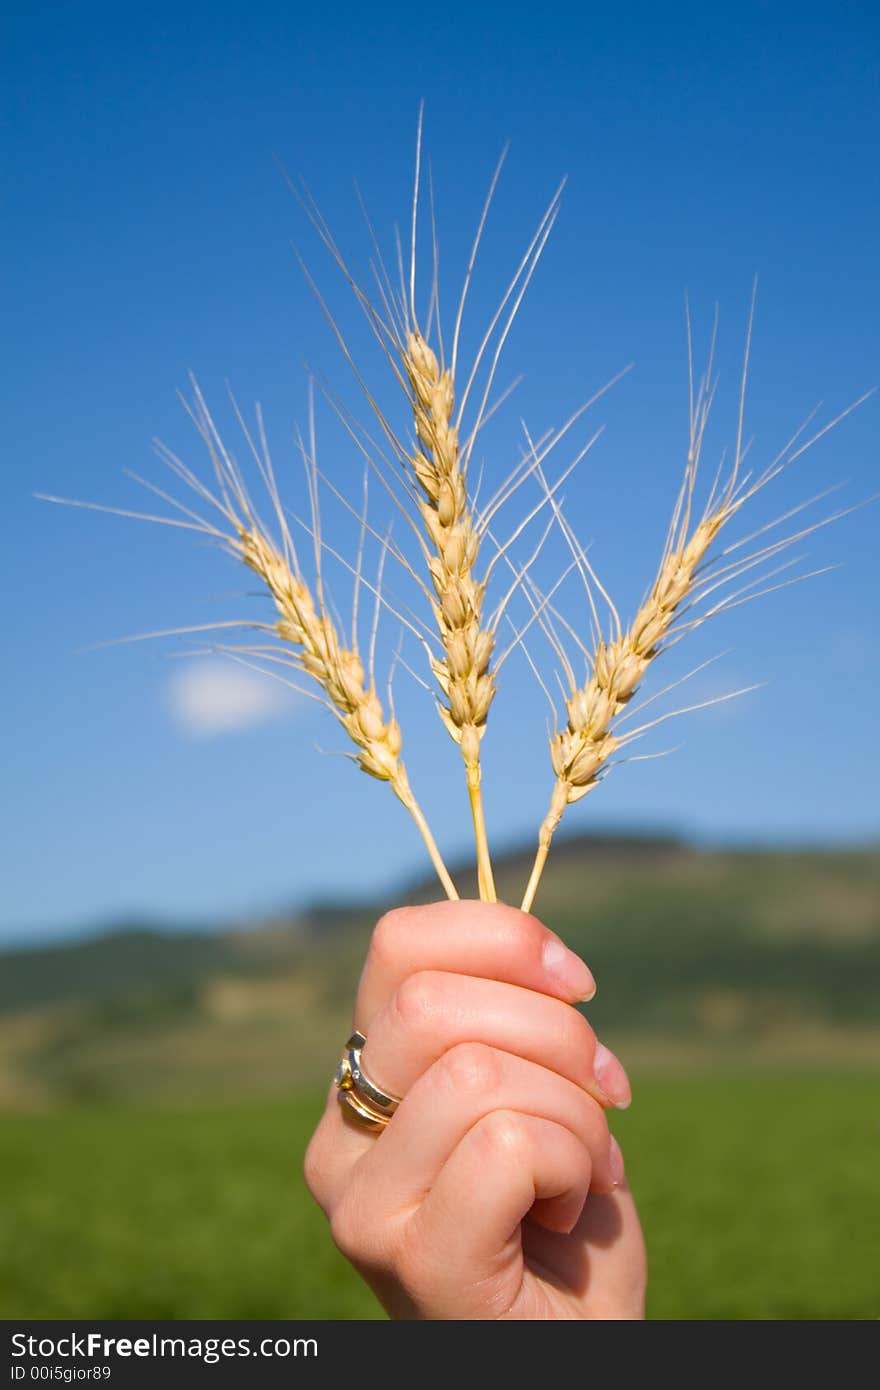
(372, 1106)
(366, 1117)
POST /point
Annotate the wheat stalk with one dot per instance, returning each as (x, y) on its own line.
(309, 638)
(580, 752)
(463, 672)
(438, 463)
(339, 672)
(305, 626)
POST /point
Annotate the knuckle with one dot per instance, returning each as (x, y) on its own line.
(501, 1135)
(419, 998)
(347, 1229)
(470, 1067)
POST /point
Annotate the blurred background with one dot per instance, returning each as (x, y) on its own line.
(187, 885)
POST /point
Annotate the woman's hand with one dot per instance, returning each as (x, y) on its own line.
(496, 1190)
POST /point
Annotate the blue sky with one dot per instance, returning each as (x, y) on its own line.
(149, 232)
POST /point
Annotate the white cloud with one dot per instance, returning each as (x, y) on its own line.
(208, 698)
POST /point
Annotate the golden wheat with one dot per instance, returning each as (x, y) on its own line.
(427, 476)
(582, 749)
(463, 673)
(438, 463)
(339, 672)
(309, 639)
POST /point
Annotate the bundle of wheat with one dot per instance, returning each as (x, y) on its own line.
(427, 474)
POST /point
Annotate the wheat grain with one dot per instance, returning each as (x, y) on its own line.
(581, 750)
(339, 672)
(310, 639)
(434, 474)
(427, 478)
(463, 672)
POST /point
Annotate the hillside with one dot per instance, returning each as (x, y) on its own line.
(701, 957)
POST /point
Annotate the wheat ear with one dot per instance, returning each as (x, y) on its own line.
(439, 462)
(463, 673)
(339, 672)
(582, 749)
(309, 637)
(305, 626)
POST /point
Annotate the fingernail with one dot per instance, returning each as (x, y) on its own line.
(615, 1162)
(611, 1077)
(568, 970)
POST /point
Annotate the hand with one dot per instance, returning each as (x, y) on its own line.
(496, 1190)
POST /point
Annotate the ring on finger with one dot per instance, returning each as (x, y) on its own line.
(370, 1103)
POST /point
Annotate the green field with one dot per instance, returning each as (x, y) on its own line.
(758, 1195)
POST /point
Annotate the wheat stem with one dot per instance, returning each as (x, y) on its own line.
(580, 751)
(535, 877)
(485, 877)
(402, 790)
(303, 623)
(558, 803)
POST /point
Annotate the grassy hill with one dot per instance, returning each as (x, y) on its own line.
(701, 956)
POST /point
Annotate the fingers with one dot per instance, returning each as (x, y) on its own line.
(464, 1241)
(433, 1011)
(471, 945)
(488, 940)
(468, 1083)
(505, 1164)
